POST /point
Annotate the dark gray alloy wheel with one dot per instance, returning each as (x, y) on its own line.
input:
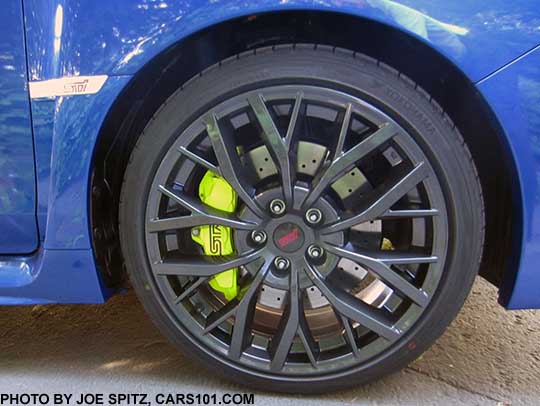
(345, 231)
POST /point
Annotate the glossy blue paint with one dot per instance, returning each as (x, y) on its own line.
(63, 270)
(117, 37)
(76, 127)
(18, 228)
(120, 36)
(51, 276)
(514, 95)
(43, 126)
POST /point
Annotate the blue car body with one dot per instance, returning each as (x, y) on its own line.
(48, 144)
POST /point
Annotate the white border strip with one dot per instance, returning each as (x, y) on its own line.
(68, 86)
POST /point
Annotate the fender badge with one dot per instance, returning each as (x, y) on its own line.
(68, 86)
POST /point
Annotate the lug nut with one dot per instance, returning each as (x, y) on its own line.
(313, 216)
(277, 207)
(281, 263)
(258, 237)
(315, 252)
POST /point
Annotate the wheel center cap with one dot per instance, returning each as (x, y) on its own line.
(288, 237)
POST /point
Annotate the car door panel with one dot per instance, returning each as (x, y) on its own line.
(18, 229)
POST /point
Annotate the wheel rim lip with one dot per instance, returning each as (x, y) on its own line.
(366, 110)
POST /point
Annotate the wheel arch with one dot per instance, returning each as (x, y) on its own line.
(436, 74)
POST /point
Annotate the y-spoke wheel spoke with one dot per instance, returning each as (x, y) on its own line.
(277, 146)
(399, 258)
(244, 314)
(398, 214)
(349, 335)
(204, 266)
(293, 123)
(201, 215)
(293, 322)
(214, 319)
(384, 272)
(353, 308)
(223, 144)
(383, 203)
(242, 310)
(310, 345)
(193, 157)
(190, 290)
(338, 150)
(346, 160)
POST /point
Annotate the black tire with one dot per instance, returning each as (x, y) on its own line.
(379, 85)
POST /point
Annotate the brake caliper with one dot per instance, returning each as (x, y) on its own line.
(214, 191)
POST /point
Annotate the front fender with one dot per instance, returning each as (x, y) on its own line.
(117, 37)
(514, 96)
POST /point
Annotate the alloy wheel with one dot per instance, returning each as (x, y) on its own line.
(340, 234)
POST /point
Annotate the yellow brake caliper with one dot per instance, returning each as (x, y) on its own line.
(214, 191)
